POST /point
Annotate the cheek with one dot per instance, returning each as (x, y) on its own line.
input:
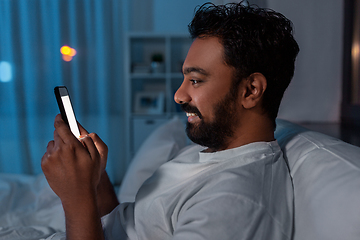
(208, 96)
(206, 107)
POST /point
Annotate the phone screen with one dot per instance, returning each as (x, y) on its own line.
(66, 109)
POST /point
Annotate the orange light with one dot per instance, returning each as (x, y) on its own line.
(67, 53)
(65, 50)
(72, 52)
(66, 58)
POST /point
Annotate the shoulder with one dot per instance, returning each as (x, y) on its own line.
(223, 216)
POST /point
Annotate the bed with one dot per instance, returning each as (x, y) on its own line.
(29, 209)
(325, 173)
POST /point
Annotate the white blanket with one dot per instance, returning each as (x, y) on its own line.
(29, 209)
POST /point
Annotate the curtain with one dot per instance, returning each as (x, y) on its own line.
(31, 65)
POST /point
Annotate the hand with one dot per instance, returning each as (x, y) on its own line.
(99, 144)
(73, 168)
(106, 197)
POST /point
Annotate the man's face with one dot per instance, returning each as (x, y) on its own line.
(205, 95)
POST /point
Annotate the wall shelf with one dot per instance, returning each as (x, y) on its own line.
(150, 85)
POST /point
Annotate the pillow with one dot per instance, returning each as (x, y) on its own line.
(326, 179)
(161, 146)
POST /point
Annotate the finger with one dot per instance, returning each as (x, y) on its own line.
(57, 139)
(58, 117)
(90, 146)
(43, 161)
(47, 154)
(63, 130)
(49, 149)
(50, 146)
(101, 147)
(83, 131)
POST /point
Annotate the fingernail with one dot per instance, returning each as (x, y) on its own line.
(82, 137)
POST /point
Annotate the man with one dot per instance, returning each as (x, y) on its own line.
(233, 185)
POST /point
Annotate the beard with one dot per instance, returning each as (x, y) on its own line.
(216, 134)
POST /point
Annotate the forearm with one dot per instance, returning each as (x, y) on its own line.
(75, 171)
(106, 196)
(83, 220)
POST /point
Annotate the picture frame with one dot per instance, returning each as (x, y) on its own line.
(149, 102)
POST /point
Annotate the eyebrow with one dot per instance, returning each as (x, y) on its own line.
(196, 70)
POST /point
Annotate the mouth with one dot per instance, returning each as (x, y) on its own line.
(192, 117)
(191, 114)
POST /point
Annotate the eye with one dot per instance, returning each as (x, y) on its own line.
(194, 81)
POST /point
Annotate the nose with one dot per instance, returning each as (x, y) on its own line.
(181, 96)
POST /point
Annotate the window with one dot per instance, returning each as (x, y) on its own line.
(351, 64)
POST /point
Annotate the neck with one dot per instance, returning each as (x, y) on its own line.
(253, 129)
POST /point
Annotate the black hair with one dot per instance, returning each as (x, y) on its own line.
(254, 40)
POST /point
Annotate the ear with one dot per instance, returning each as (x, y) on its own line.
(253, 90)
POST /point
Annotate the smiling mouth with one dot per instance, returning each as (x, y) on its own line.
(191, 111)
(191, 114)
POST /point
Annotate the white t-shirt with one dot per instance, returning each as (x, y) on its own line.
(240, 193)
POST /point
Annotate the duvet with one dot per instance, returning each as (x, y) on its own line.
(29, 209)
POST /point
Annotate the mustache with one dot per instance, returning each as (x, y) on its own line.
(190, 109)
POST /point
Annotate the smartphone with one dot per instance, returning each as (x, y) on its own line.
(66, 109)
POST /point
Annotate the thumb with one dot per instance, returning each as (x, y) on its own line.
(83, 131)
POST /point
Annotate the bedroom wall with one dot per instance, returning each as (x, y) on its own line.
(315, 92)
(161, 15)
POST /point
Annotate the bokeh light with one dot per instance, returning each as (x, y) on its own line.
(5, 71)
(66, 58)
(67, 53)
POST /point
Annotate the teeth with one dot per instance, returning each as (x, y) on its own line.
(191, 114)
